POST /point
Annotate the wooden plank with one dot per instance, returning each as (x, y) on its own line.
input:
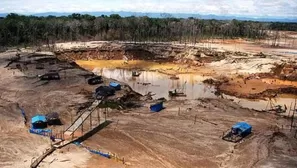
(41, 157)
(70, 129)
(80, 120)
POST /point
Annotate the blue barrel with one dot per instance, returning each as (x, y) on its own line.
(157, 107)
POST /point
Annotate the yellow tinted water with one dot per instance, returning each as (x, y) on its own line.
(189, 83)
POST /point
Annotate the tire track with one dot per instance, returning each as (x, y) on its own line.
(154, 154)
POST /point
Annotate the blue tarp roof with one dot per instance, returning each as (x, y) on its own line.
(242, 126)
(38, 118)
(114, 84)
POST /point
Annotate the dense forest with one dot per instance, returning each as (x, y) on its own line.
(31, 30)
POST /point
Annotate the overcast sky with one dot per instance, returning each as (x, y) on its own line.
(220, 7)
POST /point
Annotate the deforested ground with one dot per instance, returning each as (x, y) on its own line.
(187, 133)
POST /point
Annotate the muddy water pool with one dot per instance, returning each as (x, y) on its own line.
(159, 84)
(191, 84)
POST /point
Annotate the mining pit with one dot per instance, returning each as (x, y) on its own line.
(221, 87)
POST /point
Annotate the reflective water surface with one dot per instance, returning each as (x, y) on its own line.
(190, 84)
(159, 84)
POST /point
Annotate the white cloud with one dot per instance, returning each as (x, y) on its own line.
(231, 7)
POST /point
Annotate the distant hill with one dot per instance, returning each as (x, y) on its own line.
(176, 15)
(3, 14)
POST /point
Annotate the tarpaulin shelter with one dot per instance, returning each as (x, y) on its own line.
(241, 128)
(104, 91)
(39, 122)
(95, 80)
(50, 76)
(53, 118)
(115, 85)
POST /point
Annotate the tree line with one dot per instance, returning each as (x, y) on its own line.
(31, 30)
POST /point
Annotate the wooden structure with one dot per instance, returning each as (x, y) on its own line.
(36, 162)
(53, 118)
(69, 135)
(136, 73)
(178, 92)
(104, 91)
(174, 77)
(82, 118)
(271, 107)
(175, 93)
(50, 76)
(95, 80)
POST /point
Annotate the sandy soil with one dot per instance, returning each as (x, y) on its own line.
(21, 86)
(133, 129)
(245, 65)
(255, 88)
(18, 146)
(70, 156)
(171, 138)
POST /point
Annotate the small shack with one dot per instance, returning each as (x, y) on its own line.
(95, 80)
(53, 118)
(50, 76)
(104, 91)
(136, 73)
(39, 122)
(238, 131)
(115, 85)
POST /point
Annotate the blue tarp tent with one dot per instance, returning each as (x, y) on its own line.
(38, 118)
(115, 85)
(242, 128)
(39, 121)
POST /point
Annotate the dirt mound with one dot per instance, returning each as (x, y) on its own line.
(286, 71)
(158, 52)
(261, 55)
(107, 52)
(280, 143)
(212, 82)
(269, 93)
